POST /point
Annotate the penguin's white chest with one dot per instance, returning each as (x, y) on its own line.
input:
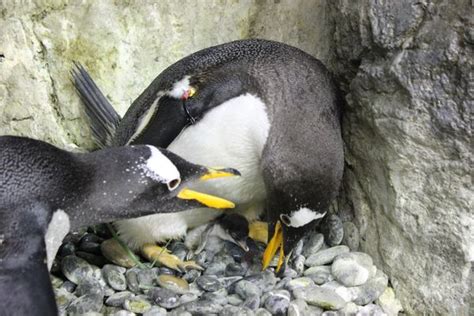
(231, 135)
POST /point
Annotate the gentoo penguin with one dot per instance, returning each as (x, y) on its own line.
(268, 109)
(45, 192)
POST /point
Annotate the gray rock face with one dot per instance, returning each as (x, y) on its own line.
(407, 131)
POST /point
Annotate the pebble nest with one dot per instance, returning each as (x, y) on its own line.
(323, 277)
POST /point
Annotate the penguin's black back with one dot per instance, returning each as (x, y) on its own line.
(250, 56)
(34, 170)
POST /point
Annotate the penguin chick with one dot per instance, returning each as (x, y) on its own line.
(230, 227)
(43, 187)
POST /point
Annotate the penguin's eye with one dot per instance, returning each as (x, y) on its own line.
(173, 184)
(285, 219)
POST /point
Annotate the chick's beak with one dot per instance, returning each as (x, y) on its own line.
(207, 199)
(275, 244)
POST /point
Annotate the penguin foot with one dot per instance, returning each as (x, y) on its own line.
(258, 231)
(163, 256)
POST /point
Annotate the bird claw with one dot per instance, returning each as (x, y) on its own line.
(164, 257)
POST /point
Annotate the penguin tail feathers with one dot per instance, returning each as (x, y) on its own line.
(102, 116)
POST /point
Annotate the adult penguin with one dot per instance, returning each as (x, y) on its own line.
(45, 192)
(268, 109)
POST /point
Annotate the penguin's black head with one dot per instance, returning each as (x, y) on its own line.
(286, 230)
(145, 177)
(187, 101)
(236, 229)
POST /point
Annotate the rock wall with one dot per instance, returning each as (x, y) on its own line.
(407, 67)
(124, 45)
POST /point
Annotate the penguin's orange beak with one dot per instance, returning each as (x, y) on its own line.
(275, 243)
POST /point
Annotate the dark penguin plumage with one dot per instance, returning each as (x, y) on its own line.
(43, 188)
(277, 101)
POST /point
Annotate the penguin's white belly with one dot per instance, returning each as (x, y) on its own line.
(231, 135)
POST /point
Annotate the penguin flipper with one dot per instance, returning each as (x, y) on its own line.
(102, 116)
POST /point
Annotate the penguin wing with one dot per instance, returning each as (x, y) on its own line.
(102, 116)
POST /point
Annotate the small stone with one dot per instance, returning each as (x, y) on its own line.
(297, 307)
(353, 269)
(216, 298)
(191, 275)
(86, 303)
(68, 286)
(97, 260)
(178, 249)
(298, 264)
(147, 278)
(188, 297)
(312, 245)
(173, 283)
(230, 310)
(114, 252)
(277, 304)
(90, 286)
(114, 276)
(314, 310)
(132, 280)
(167, 271)
(90, 247)
(340, 289)
(234, 269)
(76, 269)
(298, 250)
(350, 309)
(67, 249)
(351, 236)
(208, 283)
(371, 290)
(247, 289)
(319, 274)
(252, 303)
(164, 297)
(55, 281)
(216, 269)
(229, 281)
(117, 299)
(234, 299)
(289, 272)
(203, 307)
(63, 298)
(265, 280)
(120, 313)
(332, 229)
(325, 256)
(372, 310)
(389, 303)
(155, 311)
(137, 304)
(322, 297)
(283, 283)
(180, 311)
(299, 282)
(262, 312)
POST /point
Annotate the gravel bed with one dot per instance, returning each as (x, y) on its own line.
(92, 275)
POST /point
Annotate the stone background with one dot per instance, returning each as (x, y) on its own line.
(406, 67)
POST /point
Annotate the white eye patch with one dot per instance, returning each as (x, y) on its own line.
(300, 217)
(161, 169)
(179, 88)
